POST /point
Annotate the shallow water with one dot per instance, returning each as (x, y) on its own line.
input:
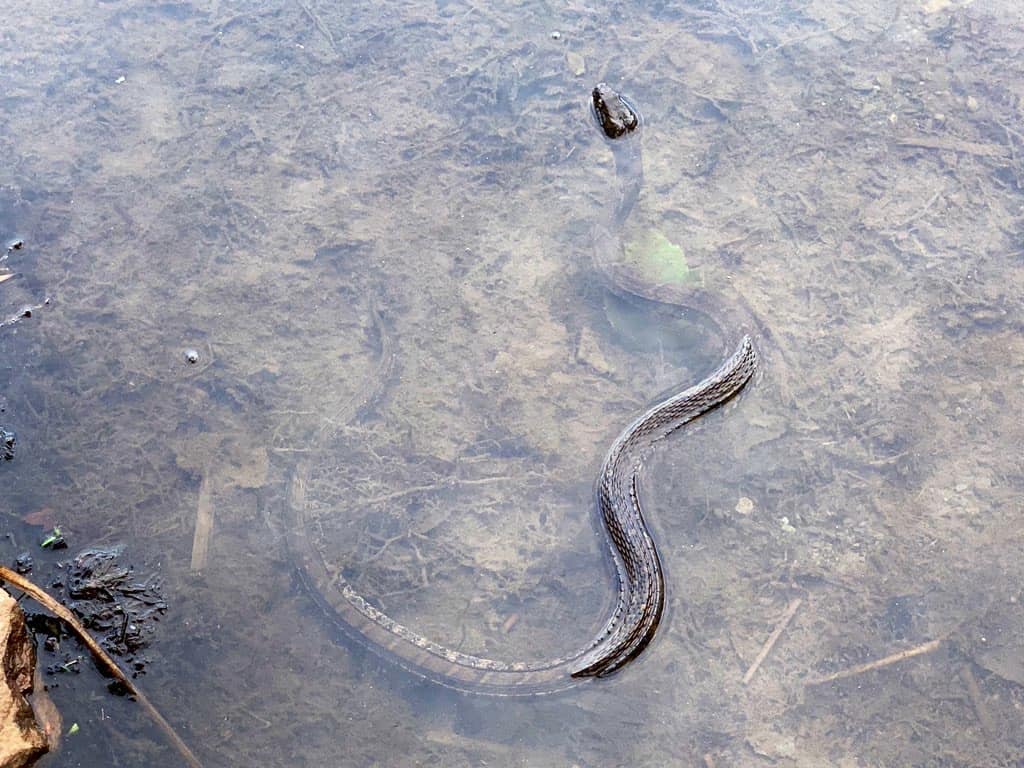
(258, 181)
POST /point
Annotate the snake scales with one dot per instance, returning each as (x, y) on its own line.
(641, 595)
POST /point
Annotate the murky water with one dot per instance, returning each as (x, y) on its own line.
(294, 189)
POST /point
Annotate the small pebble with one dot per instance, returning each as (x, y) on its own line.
(23, 563)
(191, 356)
(744, 506)
(556, 35)
(7, 442)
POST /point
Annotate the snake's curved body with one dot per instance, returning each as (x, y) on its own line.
(641, 596)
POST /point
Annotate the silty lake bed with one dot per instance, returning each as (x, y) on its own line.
(301, 192)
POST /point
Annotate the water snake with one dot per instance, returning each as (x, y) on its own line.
(641, 594)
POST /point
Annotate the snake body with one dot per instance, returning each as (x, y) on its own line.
(641, 597)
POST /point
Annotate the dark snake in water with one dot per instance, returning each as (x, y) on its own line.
(641, 596)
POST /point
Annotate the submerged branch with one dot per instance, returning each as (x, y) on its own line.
(101, 656)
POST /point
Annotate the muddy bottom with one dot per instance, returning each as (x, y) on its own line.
(238, 211)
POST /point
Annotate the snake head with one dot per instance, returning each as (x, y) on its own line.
(614, 114)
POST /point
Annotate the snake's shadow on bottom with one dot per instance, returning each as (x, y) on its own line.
(676, 337)
(514, 720)
(524, 721)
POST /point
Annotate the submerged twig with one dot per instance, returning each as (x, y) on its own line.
(204, 523)
(860, 669)
(975, 148)
(794, 606)
(808, 37)
(319, 24)
(977, 700)
(101, 656)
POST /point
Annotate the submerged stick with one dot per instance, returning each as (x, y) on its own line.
(988, 725)
(319, 24)
(104, 660)
(204, 523)
(860, 669)
(772, 639)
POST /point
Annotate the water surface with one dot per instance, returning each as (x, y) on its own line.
(256, 181)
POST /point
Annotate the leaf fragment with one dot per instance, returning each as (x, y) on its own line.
(660, 260)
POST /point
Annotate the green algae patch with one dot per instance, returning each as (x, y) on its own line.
(660, 260)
